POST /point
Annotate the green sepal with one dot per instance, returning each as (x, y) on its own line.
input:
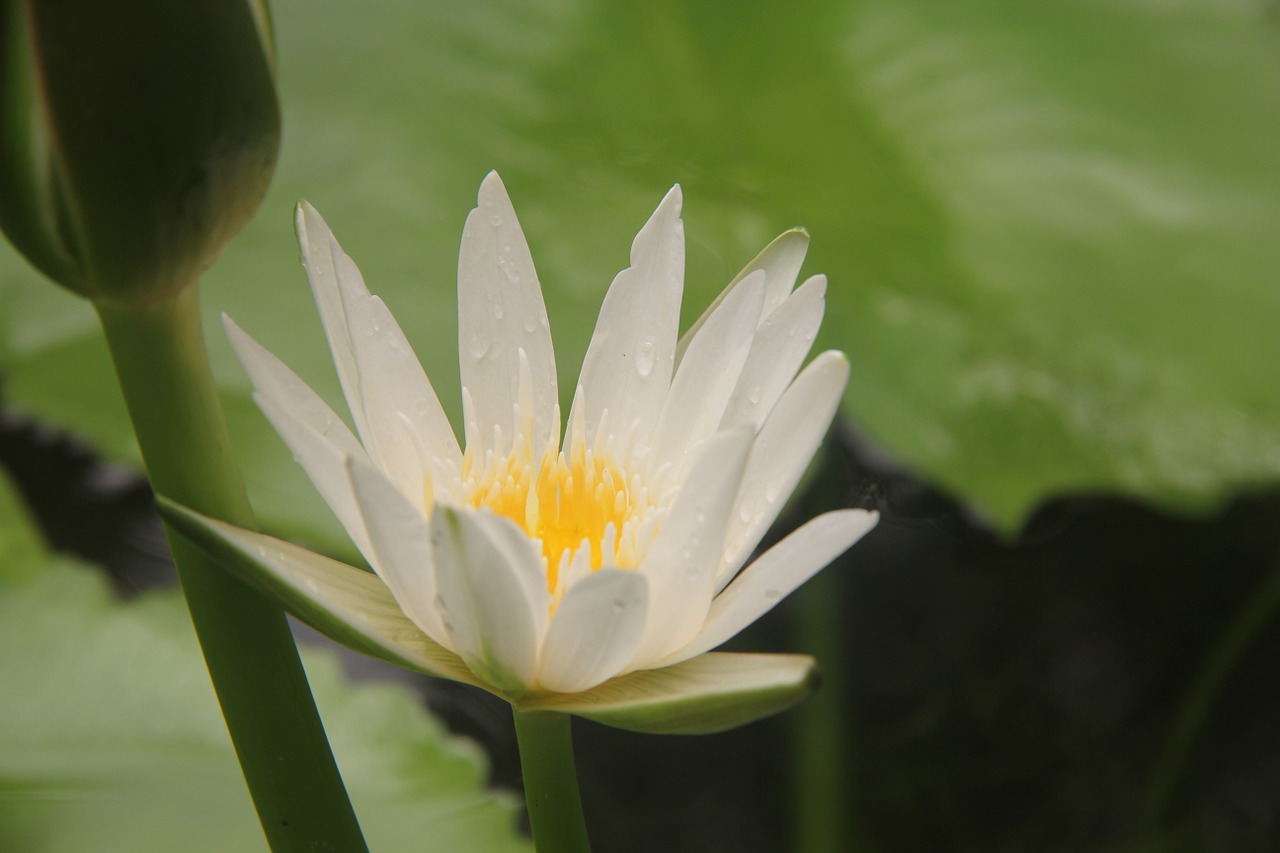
(710, 693)
(349, 605)
(780, 260)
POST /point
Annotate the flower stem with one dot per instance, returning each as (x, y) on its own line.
(551, 782)
(820, 728)
(1260, 607)
(159, 355)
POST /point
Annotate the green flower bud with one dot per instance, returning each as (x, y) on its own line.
(136, 137)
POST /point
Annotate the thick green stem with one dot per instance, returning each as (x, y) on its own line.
(551, 782)
(159, 356)
(1260, 607)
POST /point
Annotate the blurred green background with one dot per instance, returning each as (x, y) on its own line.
(1050, 234)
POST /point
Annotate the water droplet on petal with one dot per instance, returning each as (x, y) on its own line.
(497, 310)
(753, 393)
(645, 357)
(530, 323)
(495, 221)
(477, 345)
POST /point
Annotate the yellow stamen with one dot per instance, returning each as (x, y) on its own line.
(564, 503)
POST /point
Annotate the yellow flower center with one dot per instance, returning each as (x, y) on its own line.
(567, 503)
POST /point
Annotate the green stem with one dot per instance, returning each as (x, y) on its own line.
(159, 356)
(551, 782)
(822, 787)
(1193, 711)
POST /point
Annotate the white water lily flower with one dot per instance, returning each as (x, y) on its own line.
(548, 571)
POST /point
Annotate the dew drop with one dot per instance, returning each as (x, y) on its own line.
(753, 393)
(422, 406)
(745, 512)
(512, 274)
(477, 345)
(645, 357)
(530, 323)
(771, 493)
(497, 310)
(700, 517)
(495, 221)
(809, 338)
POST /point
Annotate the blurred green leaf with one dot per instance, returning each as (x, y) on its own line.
(1048, 227)
(111, 740)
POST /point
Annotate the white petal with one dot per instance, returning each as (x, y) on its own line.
(401, 410)
(681, 564)
(320, 441)
(775, 574)
(595, 630)
(400, 540)
(320, 257)
(628, 366)
(778, 350)
(500, 311)
(487, 577)
(707, 376)
(272, 378)
(325, 463)
(783, 449)
(780, 261)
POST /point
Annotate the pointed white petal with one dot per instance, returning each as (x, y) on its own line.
(501, 311)
(347, 604)
(707, 376)
(711, 693)
(776, 574)
(682, 562)
(405, 426)
(400, 541)
(324, 464)
(780, 261)
(320, 442)
(487, 596)
(783, 449)
(628, 366)
(595, 631)
(779, 348)
(320, 258)
(271, 378)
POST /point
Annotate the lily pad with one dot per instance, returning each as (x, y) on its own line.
(111, 739)
(1047, 228)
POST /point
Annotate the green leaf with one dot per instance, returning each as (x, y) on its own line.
(111, 739)
(1047, 228)
(710, 693)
